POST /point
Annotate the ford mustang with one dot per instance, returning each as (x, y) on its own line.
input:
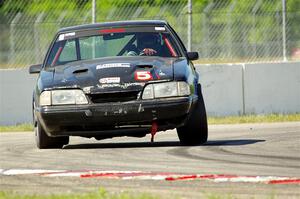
(128, 78)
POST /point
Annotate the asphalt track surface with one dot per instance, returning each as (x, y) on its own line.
(243, 150)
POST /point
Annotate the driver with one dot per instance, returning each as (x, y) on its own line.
(147, 44)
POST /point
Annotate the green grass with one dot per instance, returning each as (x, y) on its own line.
(254, 119)
(211, 120)
(101, 194)
(17, 128)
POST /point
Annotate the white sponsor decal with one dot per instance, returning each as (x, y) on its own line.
(160, 28)
(113, 65)
(160, 73)
(123, 86)
(62, 36)
(70, 34)
(110, 80)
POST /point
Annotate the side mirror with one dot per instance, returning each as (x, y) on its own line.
(35, 68)
(192, 55)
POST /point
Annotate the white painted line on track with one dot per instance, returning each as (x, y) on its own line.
(26, 171)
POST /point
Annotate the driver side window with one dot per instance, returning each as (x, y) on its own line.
(69, 52)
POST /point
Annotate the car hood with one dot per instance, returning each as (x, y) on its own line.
(113, 74)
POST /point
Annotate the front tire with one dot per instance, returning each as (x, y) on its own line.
(195, 131)
(43, 141)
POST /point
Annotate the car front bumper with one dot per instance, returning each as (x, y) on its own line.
(105, 119)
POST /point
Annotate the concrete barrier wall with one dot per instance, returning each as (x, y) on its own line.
(227, 89)
(222, 88)
(16, 88)
(261, 88)
(272, 88)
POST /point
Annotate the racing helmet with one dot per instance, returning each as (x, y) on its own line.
(148, 40)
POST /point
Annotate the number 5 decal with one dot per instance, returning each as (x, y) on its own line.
(142, 75)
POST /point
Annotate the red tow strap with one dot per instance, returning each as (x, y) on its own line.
(153, 130)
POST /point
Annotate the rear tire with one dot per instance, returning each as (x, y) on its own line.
(195, 132)
(43, 141)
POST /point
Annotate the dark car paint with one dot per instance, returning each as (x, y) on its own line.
(95, 120)
(115, 24)
(84, 75)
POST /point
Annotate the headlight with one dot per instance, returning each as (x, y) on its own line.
(166, 89)
(183, 89)
(148, 92)
(45, 98)
(61, 97)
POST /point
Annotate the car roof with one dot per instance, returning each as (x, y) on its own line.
(115, 23)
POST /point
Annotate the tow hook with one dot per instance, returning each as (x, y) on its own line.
(153, 130)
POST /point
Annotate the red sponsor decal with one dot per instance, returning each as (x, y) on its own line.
(158, 77)
(113, 30)
(142, 75)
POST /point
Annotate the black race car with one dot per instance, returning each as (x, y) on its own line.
(113, 79)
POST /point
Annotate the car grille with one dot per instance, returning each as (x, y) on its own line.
(114, 97)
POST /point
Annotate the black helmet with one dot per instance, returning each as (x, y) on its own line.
(148, 40)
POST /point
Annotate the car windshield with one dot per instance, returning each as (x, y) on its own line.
(86, 45)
